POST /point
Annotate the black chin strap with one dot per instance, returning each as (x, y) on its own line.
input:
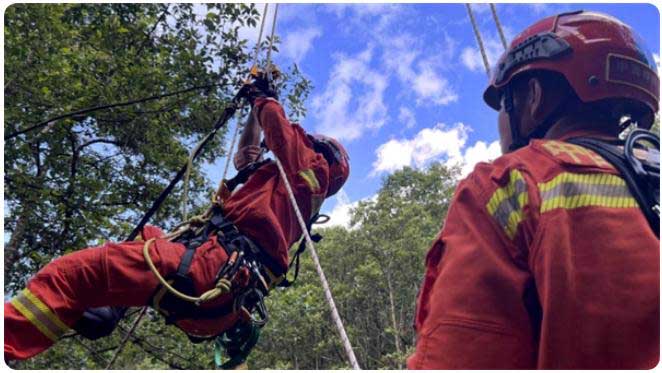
(519, 141)
(514, 122)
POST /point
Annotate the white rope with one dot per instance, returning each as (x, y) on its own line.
(309, 243)
(271, 40)
(478, 39)
(143, 311)
(318, 267)
(498, 26)
(255, 62)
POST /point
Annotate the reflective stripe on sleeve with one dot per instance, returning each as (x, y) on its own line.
(507, 203)
(569, 191)
(39, 315)
(309, 177)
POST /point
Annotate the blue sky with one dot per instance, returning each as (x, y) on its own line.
(401, 84)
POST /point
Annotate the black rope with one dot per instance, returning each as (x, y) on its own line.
(227, 114)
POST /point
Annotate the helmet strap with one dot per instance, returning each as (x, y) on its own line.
(509, 106)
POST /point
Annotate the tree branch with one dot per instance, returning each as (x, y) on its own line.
(104, 107)
(97, 141)
(149, 35)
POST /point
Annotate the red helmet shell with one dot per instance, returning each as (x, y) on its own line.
(339, 167)
(605, 60)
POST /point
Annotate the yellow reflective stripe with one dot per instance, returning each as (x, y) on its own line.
(584, 200)
(507, 203)
(506, 192)
(569, 191)
(45, 310)
(309, 177)
(566, 177)
(33, 319)
(39, 315)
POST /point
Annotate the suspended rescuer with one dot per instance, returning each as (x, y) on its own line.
(244, 242)
(549, 256)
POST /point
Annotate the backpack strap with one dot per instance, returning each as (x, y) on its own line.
(641, 183)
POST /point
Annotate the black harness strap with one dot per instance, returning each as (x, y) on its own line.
(644, 190)
(242, 176)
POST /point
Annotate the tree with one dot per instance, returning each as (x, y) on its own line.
(86, 178)
(374, 270)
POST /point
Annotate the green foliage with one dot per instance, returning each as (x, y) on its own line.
(87, 179)
(374, 270)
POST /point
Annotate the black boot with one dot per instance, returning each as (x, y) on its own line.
(99, 322)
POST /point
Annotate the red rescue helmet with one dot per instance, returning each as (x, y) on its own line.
(338, 159)
(600, 57)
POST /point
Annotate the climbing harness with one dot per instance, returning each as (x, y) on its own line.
(641, 173)
(171, 298)
(228, 113)
(248, 274)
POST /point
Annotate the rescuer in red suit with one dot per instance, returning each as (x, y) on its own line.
(116, 274)
(545, 259)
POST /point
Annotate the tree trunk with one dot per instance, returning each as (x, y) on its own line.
(394, 322)
(11, 250)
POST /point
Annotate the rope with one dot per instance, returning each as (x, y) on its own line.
(498, 26)
(236, 129)
(318, 267)
(144, 309)
(478, 39)
(255, 60)
(309, 242)
(222, 286)
(271, 40)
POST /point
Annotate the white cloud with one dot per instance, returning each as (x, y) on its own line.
(406, 117)
(427, 145)
(400, 54)
(297, 43)
(429, 86)
(440, 142)
(479, 152)
(480, 8)
(338, 112)
(656, 58)
(471, 57)
(540, 8)
(378, 16)
(341, 213)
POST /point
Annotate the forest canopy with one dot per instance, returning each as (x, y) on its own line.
(85, 179)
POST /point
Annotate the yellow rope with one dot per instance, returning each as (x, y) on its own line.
(222, 286)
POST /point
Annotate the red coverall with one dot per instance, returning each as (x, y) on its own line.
(116, 273)
(545, 261)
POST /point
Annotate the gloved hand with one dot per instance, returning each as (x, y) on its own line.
(260, 87)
